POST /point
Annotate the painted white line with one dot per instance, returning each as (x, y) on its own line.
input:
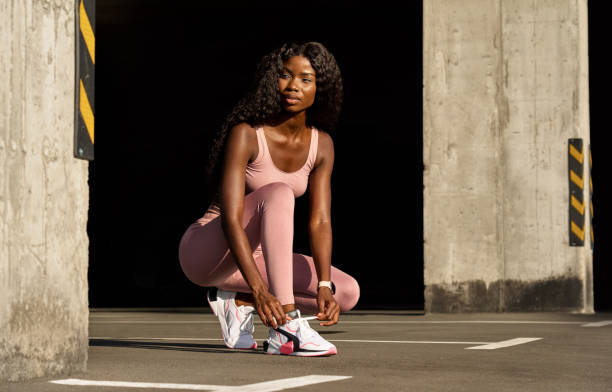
(289, 383)
(406, 341)
(155, 338)
(266, 386)
(504, 343)
(127, 384)
(598, 323)
(156, 322)
(345, 322)
(459, 322)
(331, 340)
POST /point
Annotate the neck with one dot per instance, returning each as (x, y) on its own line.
(289, 124)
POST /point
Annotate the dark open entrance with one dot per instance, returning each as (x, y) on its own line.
(167, 74)
(599, 91)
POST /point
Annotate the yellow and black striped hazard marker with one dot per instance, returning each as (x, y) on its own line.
(85, 78)
(591, 197)
(576, 192)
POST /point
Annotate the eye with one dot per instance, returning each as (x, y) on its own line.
(307, 80)
(285, 76)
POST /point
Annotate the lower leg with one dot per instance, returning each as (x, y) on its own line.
(273, 204)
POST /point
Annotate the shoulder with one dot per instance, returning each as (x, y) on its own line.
(325, 148)
(242, 136)
(242, 130)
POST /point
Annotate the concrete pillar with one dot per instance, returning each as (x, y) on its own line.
(505, 87)
(43, 195)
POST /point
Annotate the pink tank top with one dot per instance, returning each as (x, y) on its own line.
(263, 171)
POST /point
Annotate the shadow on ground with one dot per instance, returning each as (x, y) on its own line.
(193, 347)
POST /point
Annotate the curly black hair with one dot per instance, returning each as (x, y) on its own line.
(263, 99)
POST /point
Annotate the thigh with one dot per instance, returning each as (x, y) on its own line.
(203, 250)
(305, 280)
(305, 283)
(204, 253)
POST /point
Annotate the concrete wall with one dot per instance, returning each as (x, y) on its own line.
(43, 195)
(505, 87)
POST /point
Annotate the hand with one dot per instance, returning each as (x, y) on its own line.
(328, 308)
(269, 309)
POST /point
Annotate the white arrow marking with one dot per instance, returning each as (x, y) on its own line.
(598, 323)
(503, 343)
(266, 386)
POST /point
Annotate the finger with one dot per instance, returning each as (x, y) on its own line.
(328, 323)
(321, 304)
(278, 315)
(269, 317)
(334, 316)
(272, 320)
(329, 312)
(333, 321)
(271, 312)
(262, 316)
(337, 315)
(283, 315)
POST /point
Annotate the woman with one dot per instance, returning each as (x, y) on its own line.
(273, 146)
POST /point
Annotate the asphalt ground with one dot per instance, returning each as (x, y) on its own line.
(377, 351)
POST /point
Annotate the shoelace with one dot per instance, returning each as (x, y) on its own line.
(305, 329)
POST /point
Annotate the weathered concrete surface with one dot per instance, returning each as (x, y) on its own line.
(505, 87)
(185, 348)
(43, 195)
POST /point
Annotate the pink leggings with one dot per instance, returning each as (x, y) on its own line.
(268, 222)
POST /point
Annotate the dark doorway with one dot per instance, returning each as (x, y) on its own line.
(167, 74)
(599, 102)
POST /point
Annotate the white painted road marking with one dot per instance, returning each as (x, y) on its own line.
(289, 383)
(406, 341)
(127, 384)
(598, 323)
(153, 338)
(156, 322)
(481, 345)
(346, 322)
(331, 340)
(266, 386)
(504, 343)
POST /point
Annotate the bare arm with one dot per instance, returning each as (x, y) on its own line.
(235, 158)
(319, 225)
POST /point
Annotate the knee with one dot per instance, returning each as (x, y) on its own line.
(347, 294)
(278, 193)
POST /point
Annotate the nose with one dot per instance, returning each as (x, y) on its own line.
(291, 85)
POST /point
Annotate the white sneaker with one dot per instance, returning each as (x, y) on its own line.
(296, 337)
(236, 321)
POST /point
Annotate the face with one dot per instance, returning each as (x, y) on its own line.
(297, 84)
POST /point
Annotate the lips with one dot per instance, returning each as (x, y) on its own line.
(291, 99)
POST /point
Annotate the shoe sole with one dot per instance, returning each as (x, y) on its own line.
(214, 305)
(331, 351)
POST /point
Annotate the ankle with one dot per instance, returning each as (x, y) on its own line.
(244, 299)
(288, 308)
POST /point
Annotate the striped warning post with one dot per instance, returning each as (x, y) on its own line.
(576, 192)
(591, 197)
(85, 78)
